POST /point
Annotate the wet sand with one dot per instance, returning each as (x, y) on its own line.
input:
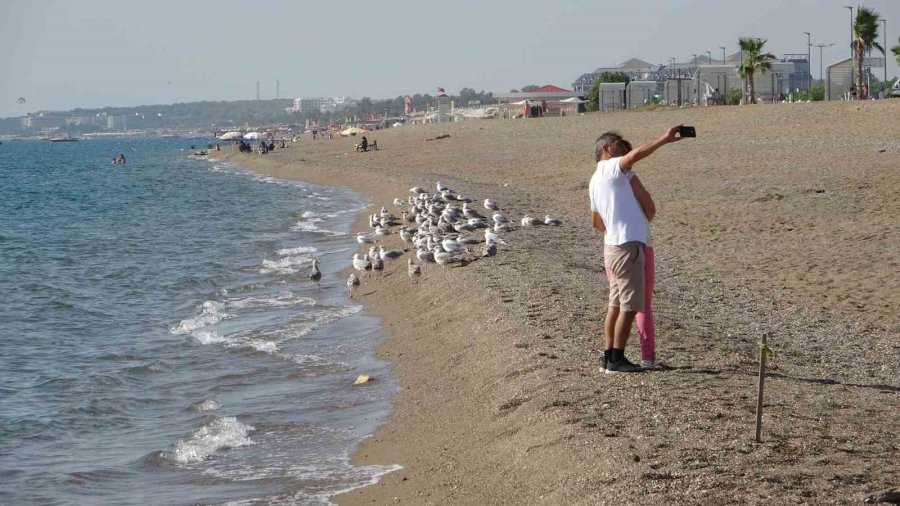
(777, 219)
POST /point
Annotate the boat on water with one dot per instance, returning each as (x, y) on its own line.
(64, 139)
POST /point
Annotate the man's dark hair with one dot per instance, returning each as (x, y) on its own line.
(603, 141)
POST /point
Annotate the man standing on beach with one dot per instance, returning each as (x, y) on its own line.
(617, 212)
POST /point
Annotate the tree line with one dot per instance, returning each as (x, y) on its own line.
(227, 115)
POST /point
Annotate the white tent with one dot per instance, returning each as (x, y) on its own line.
(230, 136)
(253, 136)
(573, 100)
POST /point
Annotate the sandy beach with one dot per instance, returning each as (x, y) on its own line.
(777, 219)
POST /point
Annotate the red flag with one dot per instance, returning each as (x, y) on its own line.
(440, 90)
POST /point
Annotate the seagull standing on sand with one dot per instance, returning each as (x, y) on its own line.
(552, 221)
(364, 238)
(528, 221)
(413, 269)
(316, 274)
(470, 212)
(490, 249)
(361, 263)
(424, 255)
(451, 245)
(490, 205)
(443, 258)
(389, 254)
(406, 235)
(377, 263)
(500, 218)
(490, 237)
(502, 227)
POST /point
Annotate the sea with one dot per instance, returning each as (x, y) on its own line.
(160, 341)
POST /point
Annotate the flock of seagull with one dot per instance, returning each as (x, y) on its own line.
(441, 226)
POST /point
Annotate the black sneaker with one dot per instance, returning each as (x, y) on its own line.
(622, 366)
(603, 363)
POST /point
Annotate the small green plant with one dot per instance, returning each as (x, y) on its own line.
(733, 97)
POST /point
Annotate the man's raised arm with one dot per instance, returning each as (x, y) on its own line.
(645, 150)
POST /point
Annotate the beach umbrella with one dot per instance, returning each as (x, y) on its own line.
(253, 136)
(230, 136)
(352, 131)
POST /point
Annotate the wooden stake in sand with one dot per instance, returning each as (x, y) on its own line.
(764, 350)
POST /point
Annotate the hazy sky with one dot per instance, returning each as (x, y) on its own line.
(93, 53)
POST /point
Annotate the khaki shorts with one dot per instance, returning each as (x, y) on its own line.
(625, 272)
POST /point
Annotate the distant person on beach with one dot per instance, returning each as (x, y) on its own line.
(644, 321)
(616, 211)
(364, 144)
(121, 159)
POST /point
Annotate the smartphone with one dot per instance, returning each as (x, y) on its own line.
(687, 131)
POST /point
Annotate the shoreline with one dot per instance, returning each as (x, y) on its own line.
(500, 400)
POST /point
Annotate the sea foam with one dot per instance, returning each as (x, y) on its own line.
(221, 433)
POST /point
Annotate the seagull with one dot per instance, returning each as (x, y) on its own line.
(316, 274)
(469, 239)
(552, 221)
(399, 202)
(361, 263)
(406, 235)
(470, 212)
(364, 238)
(389, 254)
(352, 281)
(490, 249)
(500, 218)
(453, 246)
(382, 230)
(441, 186)
(528, 221)
(490, 237)
(443, 258)
(413, 269)
(490, 205)
(377, 263)
(502, 227)
(424, 255)
(416, 190)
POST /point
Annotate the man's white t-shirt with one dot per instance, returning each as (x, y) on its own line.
(612, 197)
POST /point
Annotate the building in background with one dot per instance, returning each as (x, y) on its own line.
(116, 122)
(691, 81)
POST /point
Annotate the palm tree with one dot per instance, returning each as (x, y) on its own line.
(896, 51)
(754, 61)
(865, 36)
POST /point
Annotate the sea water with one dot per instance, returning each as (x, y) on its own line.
(160, 342)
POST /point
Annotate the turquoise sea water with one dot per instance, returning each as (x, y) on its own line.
(160, 342)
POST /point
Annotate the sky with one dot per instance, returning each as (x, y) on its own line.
(61, 55)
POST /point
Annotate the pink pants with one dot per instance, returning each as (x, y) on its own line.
(644, 319)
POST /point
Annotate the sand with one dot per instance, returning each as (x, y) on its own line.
(777, 219)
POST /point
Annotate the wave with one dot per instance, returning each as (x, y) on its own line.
(268, 339)
(213, 312)
(286, 265)
(221, 433)
(284, 299)
(310, 226)
(205, 405)
(300, 250)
